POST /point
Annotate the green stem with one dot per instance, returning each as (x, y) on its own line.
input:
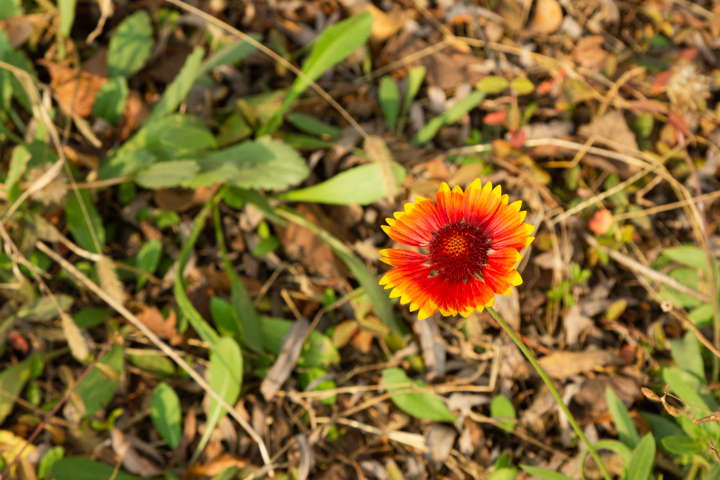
(528, 354)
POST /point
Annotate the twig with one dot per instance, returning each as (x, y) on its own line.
(528, 354)
(56, 408)
(647, 271)
(159, 343)
(666, 207)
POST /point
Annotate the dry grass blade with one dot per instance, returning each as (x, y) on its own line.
(159, 343)
(378, 151)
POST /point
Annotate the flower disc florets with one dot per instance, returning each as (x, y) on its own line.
(472, 239)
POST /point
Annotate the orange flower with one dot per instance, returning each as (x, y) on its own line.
(472, 241)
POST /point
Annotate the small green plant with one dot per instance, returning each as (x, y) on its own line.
(562, 292)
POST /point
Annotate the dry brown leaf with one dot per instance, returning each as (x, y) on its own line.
(287, 359)
(566, 364)
(21, 28)
(165, 328)
(385, 24)
(182, 199)
(575, 324)
(432, 351)
(440, 440)
(548, 17)
(132, 461)
(650, 395)
(611, 127)
(75, 89)
(218, 465)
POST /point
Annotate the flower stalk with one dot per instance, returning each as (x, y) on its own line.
(528, 354)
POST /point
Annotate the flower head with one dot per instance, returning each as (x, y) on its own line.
(472, 240)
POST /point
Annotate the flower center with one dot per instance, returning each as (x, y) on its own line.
(458, 251)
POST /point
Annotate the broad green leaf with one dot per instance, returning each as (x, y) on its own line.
(225, 319)
(126, 164)
(167, 174)
(615, 446)
(492, 84)
(166, 414)
(156, 363)
(18, 163)
(187, 139)
(10, 8)
(416, 75)
(522, 86)
(77, 468)
(313, 126)
(702, 403)
(66, 14)
(544, 474)
(682, 445)
(688, 255)
(227, 474)
(306, 143)
(148, 259)
(447, 118)
(662, 426)
(502, 410)
(110, 100)
(641, 464)
(233, 129)
(91, 317)
(368, 280)
(702, 316)
(180, 86)
(230, 53)
(226, 372)
(96, 391)
(508, 473)
(86, 236)
(264, 163)
(389, 97)
(48, 460)
(203, 329)
(333, 45)
(358, 185)
(686, 353)
(130, 46)
(243, 307)
(423, 405)
(44, 309)
(624, 425)
(318, 350)
(12, 381)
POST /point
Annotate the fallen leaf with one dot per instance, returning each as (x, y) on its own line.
(132, 461)
(164, 328)
(75, 89)
(290, 352)
(385, 24)
(548, 17)
(611, 127)
(567, 364)
(575, 324)
(21, 28)
(440, 441)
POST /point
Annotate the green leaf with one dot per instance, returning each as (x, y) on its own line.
(502, 409)
(698, 405)
(233, 129)
(180, 86)
(333, 45)
(18, 163)
(508, 473)
(686, 353)
(389, 97)
(66, 14)
(306, 143)
(230, 53)
(358, 185)
(130, 46)
(91, 317)
(226, 372)
(243, 307)
(48, 460)
(110, 100)
(227, 474)
(148, 259)
(621, 418)
(661, 425)
(688, 255)
(641, 464)
(544, 474)
(702, 316)
(187, 139)
(416, 75)
(682, 445)
(167, 174)
(85, 469)
(264, 163)
(12, 381)
(75, 212)
(166, 414)
(313, 126)
(152, 362)
(447, 118)
(367, 279)
(96, 391)
(203, 329)
(522, 86)
(319, 351)
(492, 84)
(44, 309)
(10, 8)
(225, 318)
(423, 405)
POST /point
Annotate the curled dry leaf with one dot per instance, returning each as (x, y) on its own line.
(75, 89)
(163, 327)
(548, 17)
(670, 409)
(650, 395)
